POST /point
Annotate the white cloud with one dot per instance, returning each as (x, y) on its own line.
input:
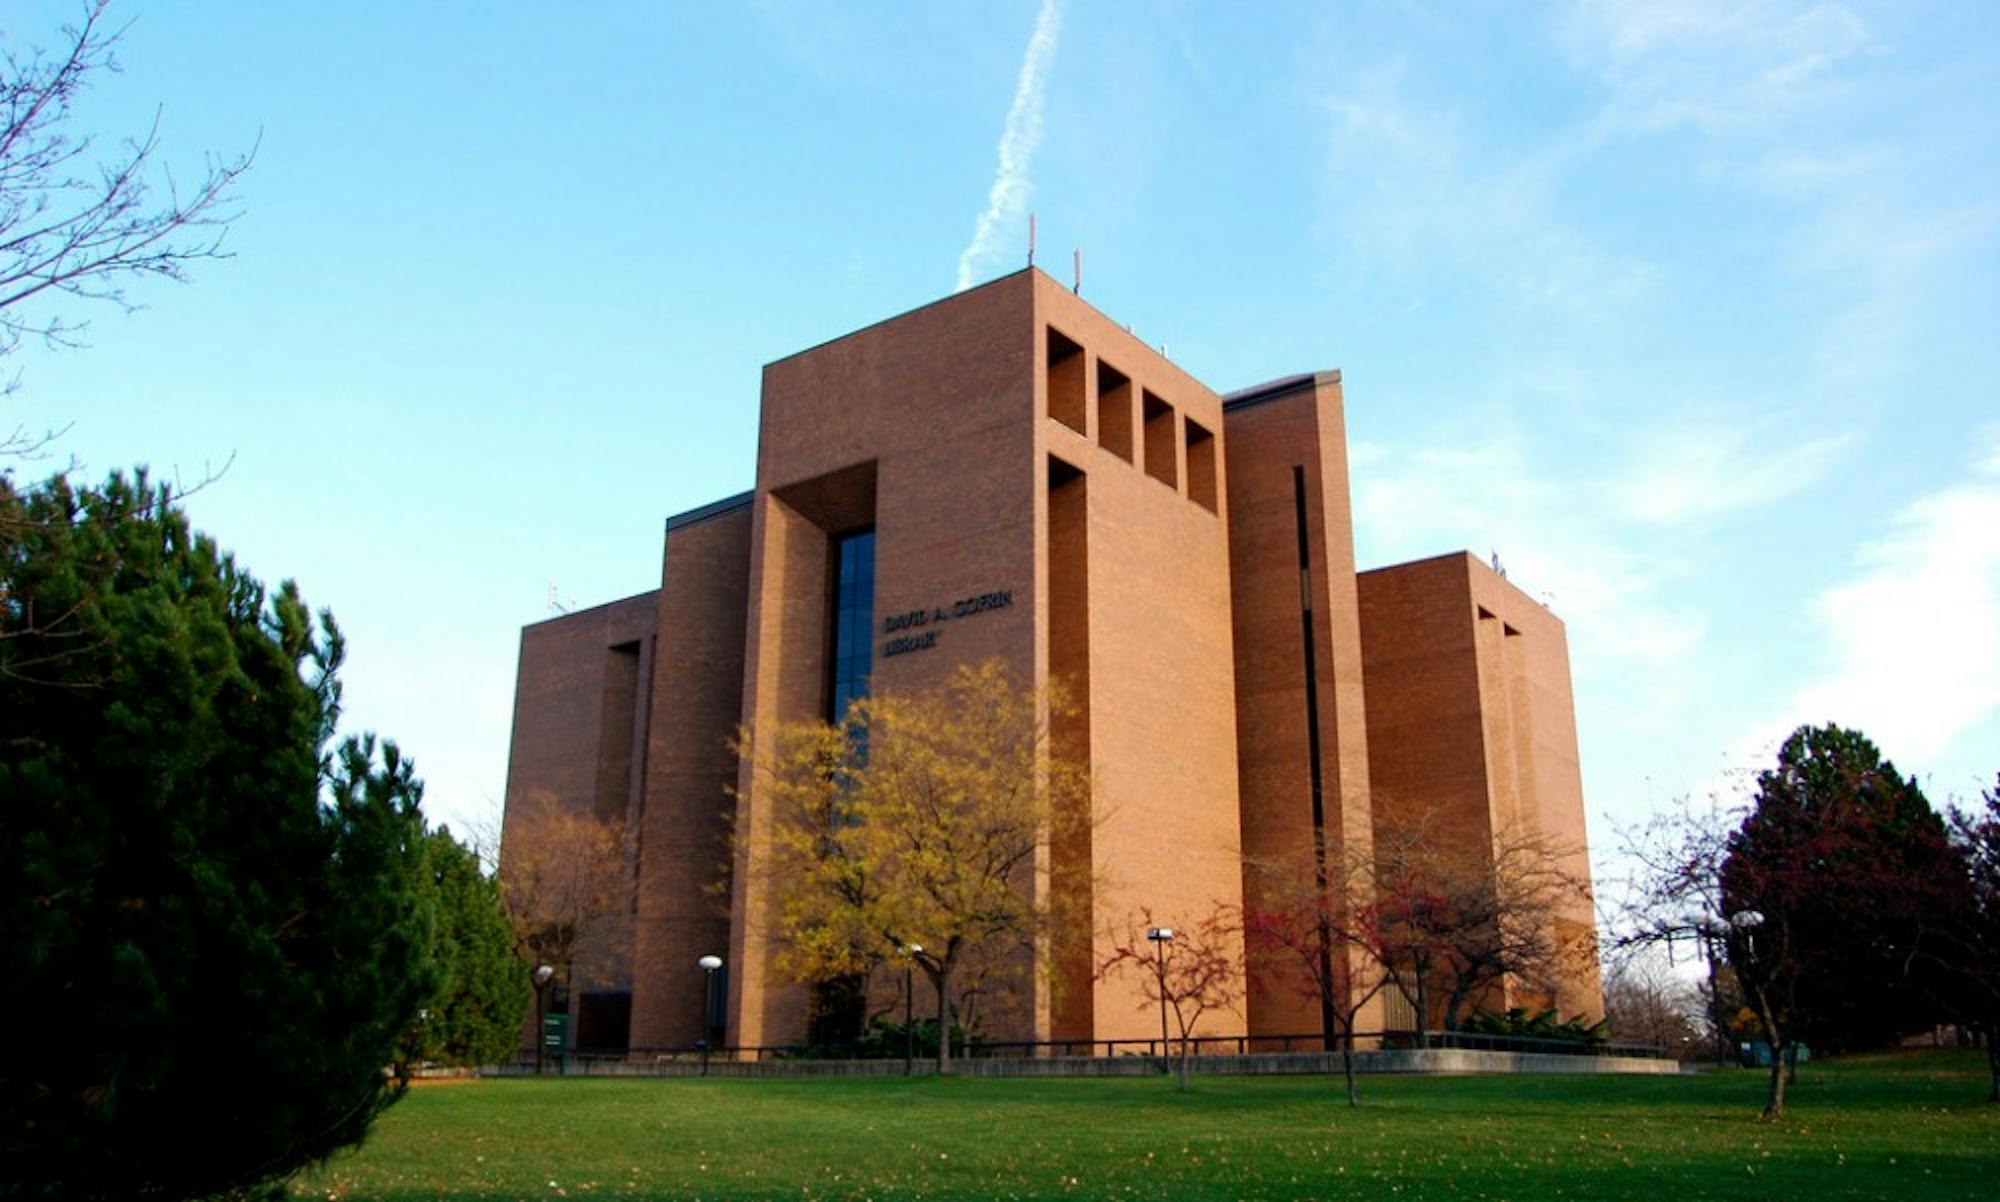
(1361, 451)
(1792, 171)
(1913, 637)
(1691, 474)
(1989, 463)
(1391, 127)
(1616, 486)
(1714, 64)
(1554, 535)
(1888, 256)
(1407, 191)
(1012, 185)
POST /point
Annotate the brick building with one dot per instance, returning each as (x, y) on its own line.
(1183, 559)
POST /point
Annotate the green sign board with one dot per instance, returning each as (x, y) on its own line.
(554, 1028)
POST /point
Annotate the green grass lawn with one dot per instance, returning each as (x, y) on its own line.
(1898, 1127)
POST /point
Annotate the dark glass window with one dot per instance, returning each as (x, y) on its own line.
(853, 621)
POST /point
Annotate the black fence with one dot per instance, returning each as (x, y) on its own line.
(583, 1060)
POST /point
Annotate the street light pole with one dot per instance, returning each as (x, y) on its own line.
(541, 977)
(1161, 937)
(1746, 923)
(708, 965)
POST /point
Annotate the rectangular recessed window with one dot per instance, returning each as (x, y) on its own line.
(1114, 411)
(1066, 399)
(1162, 455)
(853, 621)
(1201, 465)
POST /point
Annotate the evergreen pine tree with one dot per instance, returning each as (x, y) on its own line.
(483, 987)
(210, 937)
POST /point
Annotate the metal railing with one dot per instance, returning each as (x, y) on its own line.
(584, 1060)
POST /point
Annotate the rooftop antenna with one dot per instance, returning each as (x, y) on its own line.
(557, 605)
(1076, 265)
(1031, 239)
(1498, 570)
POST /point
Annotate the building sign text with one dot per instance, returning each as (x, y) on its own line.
(908, 627)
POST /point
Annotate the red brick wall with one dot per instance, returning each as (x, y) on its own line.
(1269, 437)
(683, 840)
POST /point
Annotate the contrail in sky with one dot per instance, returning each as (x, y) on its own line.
(1017, 144)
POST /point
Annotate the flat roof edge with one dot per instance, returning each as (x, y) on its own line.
(714, 509)
(1271, 390)
(588, 611)
(1419, 561)
(929, 304)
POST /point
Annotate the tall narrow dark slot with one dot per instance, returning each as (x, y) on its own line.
(1068, 550)
(853, 621)
(1312, 752)
(840, 1006)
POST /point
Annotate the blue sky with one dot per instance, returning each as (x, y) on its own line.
(1690, 311)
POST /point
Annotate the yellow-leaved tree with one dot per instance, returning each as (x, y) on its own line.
(930, 827)
(566, 878)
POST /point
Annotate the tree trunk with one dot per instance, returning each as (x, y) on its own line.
(944, 1019)
(1423, 1012)
(1184, 1062)
(1774, 1103)
(1347, 1062)
(1453, 1003)
(1775, 1040)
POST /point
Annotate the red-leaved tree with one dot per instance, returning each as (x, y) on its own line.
(1452, 922)
(1835, 888)
(1318, 930)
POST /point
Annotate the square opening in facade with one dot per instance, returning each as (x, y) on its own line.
(1201, 465)
(1162, 453)
(1066, 392)
(1114, 411)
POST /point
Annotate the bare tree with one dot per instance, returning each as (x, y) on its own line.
(1452, 922)
(1187, 971)
(79, 225)
(1972, 946)
(1645, 1001)
(1671, 902)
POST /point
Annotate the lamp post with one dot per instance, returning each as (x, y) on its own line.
(1745, 923)
(910, 953)
(1161, 937)
(708, 965)
(541, 977)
